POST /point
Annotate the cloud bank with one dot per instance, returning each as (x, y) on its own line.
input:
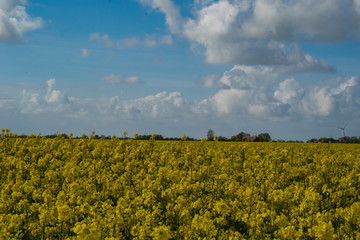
(237, 104)
(288, 101)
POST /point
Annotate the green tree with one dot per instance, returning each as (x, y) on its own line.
(210, 135)
(264, 137)
(239, 137)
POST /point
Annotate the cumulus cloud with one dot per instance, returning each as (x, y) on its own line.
(53, 101)
(262, 91)
(281, 20)
(336, 97)
(150, 40)
(246, 90)
(289, 91)
(285, 100)
(158, 106)
(14, 20)
(117, 79)
(263, 32)
(243, 77)
(238, 103)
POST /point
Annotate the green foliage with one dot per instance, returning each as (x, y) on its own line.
(264, 137)
(239, 137)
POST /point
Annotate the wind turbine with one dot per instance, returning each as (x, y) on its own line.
(343, 129)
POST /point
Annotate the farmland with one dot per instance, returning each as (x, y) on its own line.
(66, 188)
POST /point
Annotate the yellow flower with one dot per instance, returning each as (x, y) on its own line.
(183, 138)
(153, 136)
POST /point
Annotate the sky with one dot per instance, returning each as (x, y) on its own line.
(173, 67)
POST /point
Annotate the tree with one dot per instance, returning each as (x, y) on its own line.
(221, 138)
(264, 137)
(210, 135)
(239, 137)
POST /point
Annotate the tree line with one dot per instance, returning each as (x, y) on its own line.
(240, 137)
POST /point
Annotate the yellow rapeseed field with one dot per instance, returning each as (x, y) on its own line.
(130, 189)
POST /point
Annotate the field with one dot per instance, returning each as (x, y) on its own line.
(131, 189)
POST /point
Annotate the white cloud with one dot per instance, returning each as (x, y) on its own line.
(159, 106)
(150, 40)
(286, 100)
(211, 23)
(85, 52)
(14, 20)
(7, 5)
(261, 91)
(162, 105)
(172, 14)
(318, 102)
(53, 101)
(289, 91)
(247, 90)
(117, 79)
(338, 97)
(239, 103)
(263, 32)
(282, 20)
(346, 93)
(249, 77)
(278, 108)
(218, 29)
(231, 101)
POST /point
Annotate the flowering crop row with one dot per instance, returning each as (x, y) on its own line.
(127, 189)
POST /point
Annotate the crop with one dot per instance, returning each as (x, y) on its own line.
(131, 189)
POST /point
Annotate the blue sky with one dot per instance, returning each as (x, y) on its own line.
(181, 67)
